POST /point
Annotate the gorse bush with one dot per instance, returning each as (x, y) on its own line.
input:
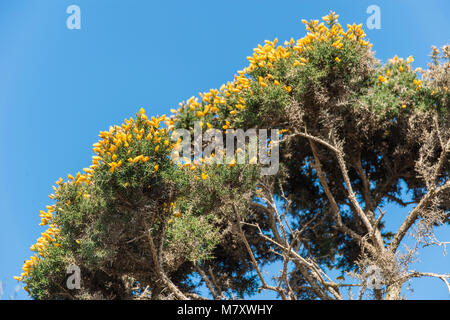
(353, 132)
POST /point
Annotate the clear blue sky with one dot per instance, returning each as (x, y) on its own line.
(60, 87)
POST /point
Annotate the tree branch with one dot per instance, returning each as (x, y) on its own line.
(414, 214)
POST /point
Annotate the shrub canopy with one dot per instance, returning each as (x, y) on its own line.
(137, 223)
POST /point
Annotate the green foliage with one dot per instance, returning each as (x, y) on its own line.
(134, 197)
(194, 235)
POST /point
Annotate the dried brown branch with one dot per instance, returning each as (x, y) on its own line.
(158, 268)
(252, 257)
(207, 282)
(443, 277)
(414, 214)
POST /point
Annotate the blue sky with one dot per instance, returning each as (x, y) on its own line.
(60, 87)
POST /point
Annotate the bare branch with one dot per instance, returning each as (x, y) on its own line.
(334, 206)
(172, 287)
(252, 257)
(207, 282)
(443, 277)
(414, 214)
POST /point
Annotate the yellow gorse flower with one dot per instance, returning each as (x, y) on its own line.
(118, 147)
(267, 55)
(109, 153)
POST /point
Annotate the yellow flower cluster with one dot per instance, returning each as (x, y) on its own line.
(106, 152)
(47, 239)
(382, 78)
(28, 265)
(401, 67)
(418, 83)
(214, 100)
(170, 207)
(267, 56)
(125, 137)
(321, 33)
(46, 216)
(116, 146)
